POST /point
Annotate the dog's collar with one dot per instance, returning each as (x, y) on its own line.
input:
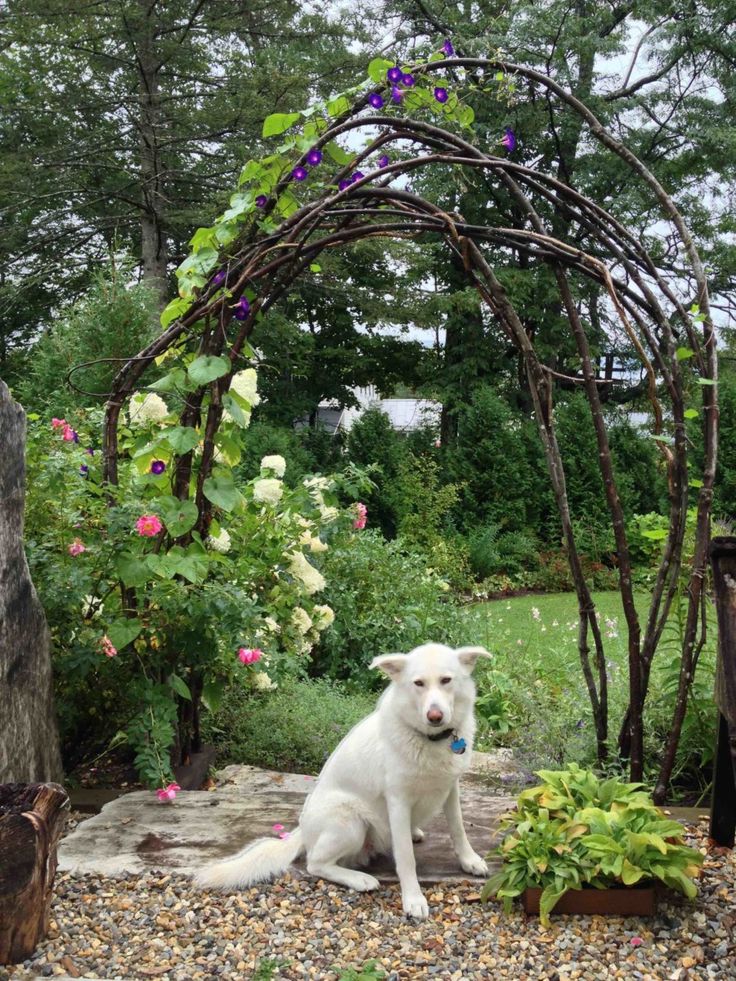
(440, 735)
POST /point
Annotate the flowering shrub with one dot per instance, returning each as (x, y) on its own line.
(150, 617)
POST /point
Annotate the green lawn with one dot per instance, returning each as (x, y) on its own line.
(532, 694)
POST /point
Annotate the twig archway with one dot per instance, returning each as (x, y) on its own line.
(561, 228)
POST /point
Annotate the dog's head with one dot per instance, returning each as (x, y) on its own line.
(433, 682)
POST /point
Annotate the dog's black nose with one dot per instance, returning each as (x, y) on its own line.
(435, 716)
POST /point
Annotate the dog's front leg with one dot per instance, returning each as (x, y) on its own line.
(412, 898)
(469, 860)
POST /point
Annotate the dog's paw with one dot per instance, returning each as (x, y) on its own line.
(474, 865)
(417, 835)
(416, 907)
(364, 882)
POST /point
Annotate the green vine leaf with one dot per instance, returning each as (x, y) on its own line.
(123, 632)
(178, 516)
(683, 353)
(182, 439)
(221, 490)
(180, 686)
(207, 368)
(279, 122)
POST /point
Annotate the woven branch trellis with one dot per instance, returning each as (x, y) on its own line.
(593, 246)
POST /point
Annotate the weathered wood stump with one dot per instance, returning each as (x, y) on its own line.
(723, 809)
(32, 818)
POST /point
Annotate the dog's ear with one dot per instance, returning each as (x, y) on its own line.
(391, 664)
(467, 656)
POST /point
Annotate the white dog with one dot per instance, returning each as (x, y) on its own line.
(393, 772)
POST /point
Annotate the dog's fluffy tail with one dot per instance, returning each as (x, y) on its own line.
(258, 862)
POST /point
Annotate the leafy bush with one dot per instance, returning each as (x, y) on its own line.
(294, 728)
(112, 321)
(385, 599)
(576, 830)
(495, 552)
(374, 441)
(150, 618)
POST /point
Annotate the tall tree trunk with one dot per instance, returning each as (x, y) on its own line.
(29, 741)
(154, 246)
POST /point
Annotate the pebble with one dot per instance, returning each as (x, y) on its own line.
(156, 926)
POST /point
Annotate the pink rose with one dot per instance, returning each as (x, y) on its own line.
(69, 434)
(77, 547)
(165, 794)
(107, 647)
(361, 512)
(58, 423)
(249, 655)
(148, 525)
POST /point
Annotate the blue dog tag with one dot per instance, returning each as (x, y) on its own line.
(458, 745)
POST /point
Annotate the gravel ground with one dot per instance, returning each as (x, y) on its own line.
(155, 925)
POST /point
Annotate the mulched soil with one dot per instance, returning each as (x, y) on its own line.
(156, 925)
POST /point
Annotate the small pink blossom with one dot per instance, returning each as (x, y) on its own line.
(636, 941)
(77, 547)
(69, 434)
(361, 512)
(58, 423)
(278, 827)
(437, 443)
(249, 655)
(165, 794)
(107, 647)
(148, 525)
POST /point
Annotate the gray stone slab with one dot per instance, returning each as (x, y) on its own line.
(136, 833)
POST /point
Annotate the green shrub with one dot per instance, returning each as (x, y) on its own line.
(385, 599)
(294, 728)
(495, 552)
(373, 440)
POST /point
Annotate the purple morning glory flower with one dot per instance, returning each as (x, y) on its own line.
(509, 139)
(375, 100)
(344, 184)
(300, 173)
(447, 48)
(357, 176)
(242, 309)
(441, 95)
(407, 80)
(314, 157)
(83, 470)
(394, 74)
(396, 94)
(158, 467)
(219, 278)
(261, 201)
(90, 451)
(383, 161)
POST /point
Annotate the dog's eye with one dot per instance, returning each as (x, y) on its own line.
(419, 683)
(445, 681)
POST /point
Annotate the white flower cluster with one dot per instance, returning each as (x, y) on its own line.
(272, 626)
(146, 407)
(312, 580)
(275, 463)
(262, 682)
(268, 490)
(244, 384)
(301, 620)
(315, 486)
(312, 542)
(323, 616)
(220, 542)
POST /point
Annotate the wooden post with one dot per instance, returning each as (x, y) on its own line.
(723, 807)
(32, 817)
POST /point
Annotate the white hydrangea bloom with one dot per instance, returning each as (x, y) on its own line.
(272, 626)
(317, 483)
(312, 580)
(146, 407)
(275, 463)
(92, 607)
(221, 542)
(328, 514)
(301, 620)
(268, 490)
(262, 682)
(312, 542)
(245, 384)
(323, 616)
(305, 647)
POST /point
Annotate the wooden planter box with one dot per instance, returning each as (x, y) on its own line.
(626, 901)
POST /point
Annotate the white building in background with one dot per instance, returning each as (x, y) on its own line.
(406, 415)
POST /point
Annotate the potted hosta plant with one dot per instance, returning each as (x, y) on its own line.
(580, 844)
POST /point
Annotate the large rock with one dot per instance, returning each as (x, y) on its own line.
(29, 741)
